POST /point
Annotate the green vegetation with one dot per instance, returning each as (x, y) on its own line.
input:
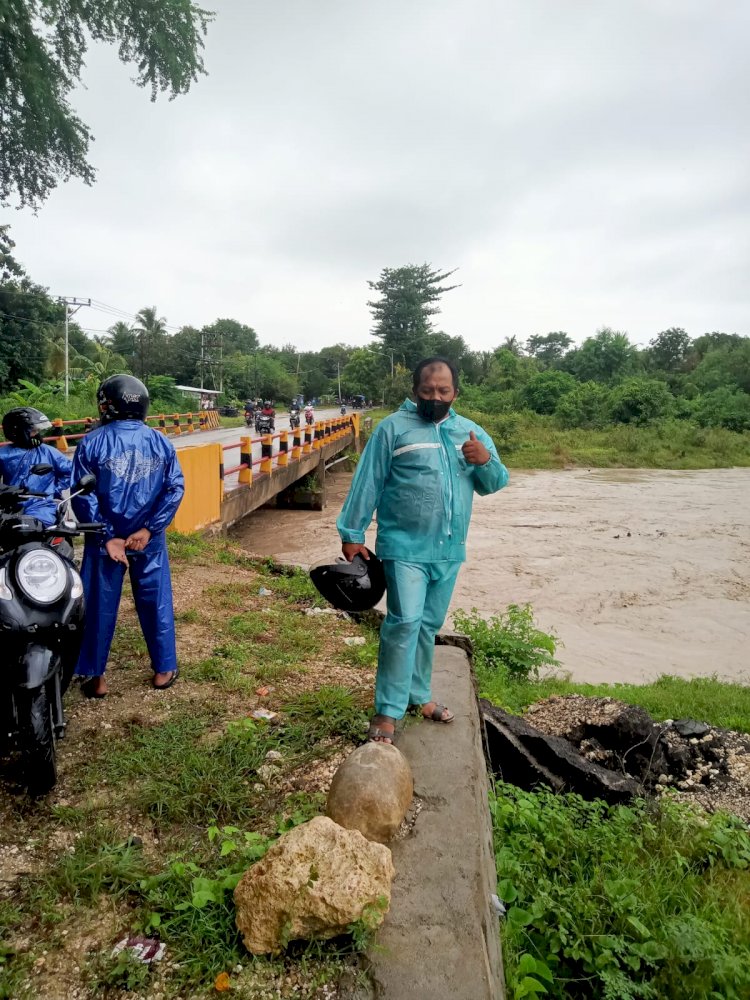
(165, 806)
(640, 901)
(613, 903)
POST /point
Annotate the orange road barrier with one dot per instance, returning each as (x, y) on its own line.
(191, 429)
(60, 440)
(176, 423)
(297, 445)
(307, 447)
(201, 504)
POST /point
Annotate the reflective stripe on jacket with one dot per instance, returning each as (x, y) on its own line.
(414, 474)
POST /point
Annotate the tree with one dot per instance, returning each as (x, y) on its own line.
(29, 317)
(409, 297)
(607, 357)
(669, 349)
(42, 48)
(363, 375)
(151, 343)
(513, 345)
(121, 339)
(724, 408)
(727, 366)
(548, 348)
(587, 405)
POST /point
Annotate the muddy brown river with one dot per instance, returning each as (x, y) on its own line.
(638, 572)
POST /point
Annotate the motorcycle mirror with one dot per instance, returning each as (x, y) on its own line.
(41, 469)
(85, 484)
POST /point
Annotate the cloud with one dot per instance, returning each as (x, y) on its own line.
(583, 164)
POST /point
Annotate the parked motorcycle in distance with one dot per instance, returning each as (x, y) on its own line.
(41, 627)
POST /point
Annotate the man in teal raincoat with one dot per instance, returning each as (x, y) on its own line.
(420, 470)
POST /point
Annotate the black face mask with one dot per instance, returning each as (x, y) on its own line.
(432, 409)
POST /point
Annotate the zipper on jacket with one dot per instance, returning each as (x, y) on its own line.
(449, 477)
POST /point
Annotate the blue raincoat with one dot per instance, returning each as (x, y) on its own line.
(139, 484)
(14, 470)
(414, 474)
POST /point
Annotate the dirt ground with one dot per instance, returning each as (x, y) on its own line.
(638, 572)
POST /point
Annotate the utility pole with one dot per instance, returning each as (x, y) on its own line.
(203, 348)
(76, 303)
(338, 377)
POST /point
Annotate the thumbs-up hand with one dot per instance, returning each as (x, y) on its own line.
(474, 451)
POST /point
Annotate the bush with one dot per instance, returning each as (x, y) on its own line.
(587, 405)
(544, 390)
(641, 401)
(510, 642)
(723, 408)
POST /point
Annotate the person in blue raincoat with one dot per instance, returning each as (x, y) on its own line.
(25, 427)
(139, 486)
(420, 471)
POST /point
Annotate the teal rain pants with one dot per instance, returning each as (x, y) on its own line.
(418, 596)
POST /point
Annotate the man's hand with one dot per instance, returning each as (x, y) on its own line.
(351, 549)
(138, 540)
(474, 451)
(116, 550)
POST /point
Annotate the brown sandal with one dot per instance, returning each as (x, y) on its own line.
(436, 715)
(377, 735)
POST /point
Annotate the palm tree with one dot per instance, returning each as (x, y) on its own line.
(511, 344)
(120, 339)
(150, 331)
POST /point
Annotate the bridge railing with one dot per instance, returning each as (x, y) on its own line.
(293, 446)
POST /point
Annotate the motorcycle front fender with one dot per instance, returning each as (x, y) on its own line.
(36, 667)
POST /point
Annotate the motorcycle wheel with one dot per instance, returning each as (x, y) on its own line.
(36, 741)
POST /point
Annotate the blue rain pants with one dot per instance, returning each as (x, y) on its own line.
(418, 596)
(152, 592)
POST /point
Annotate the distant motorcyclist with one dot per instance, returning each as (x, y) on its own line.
(139, 486)
(309, 414)
(294, 415)
(25, 427)
(249, 411)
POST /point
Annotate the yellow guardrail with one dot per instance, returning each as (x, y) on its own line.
(201, 504)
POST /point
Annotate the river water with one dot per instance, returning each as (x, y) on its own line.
(638, 572)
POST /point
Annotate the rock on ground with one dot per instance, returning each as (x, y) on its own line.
(314, 882)
(372, 791)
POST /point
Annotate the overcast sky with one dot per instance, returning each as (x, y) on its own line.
(583, 163)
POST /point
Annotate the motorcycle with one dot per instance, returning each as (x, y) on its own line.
(41, 619)
(249, 417)
(264, 423)
(294, 419)
(343, 410)
(309, 419)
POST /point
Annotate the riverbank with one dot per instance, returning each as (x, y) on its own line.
(639, 572)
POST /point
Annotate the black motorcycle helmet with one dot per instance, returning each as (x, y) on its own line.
(122, 397)
(351, 586)
(25, 426)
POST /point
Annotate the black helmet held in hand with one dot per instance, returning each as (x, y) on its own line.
(351, 586)
(122, 397)
(25, 426)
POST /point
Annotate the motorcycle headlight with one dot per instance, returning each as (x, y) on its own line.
(42, 576)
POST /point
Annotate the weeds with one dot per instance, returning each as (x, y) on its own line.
(509, 643)
(641, 901)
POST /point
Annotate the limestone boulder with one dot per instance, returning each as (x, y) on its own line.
(372, 791)
(314, 882)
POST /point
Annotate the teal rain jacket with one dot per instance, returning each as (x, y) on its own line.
(414, 474)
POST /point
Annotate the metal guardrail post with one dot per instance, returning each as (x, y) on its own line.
(307, 447)
(283, 457)
(266, 464)
(318, 435)
(246, 458)
(190, 427)
(162, 424)
(176, 423)
(296, 445)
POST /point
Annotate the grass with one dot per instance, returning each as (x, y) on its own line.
(168, 803)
